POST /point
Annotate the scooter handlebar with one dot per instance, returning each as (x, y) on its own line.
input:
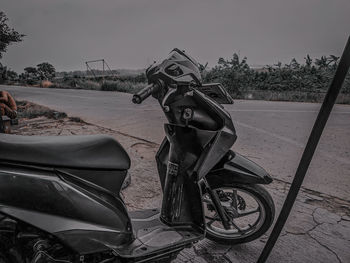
(144, 93)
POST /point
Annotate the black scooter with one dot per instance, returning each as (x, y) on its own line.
(60, 196)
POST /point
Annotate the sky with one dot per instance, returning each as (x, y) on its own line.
(133, 33)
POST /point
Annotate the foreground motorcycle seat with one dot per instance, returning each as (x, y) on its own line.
(77, 151)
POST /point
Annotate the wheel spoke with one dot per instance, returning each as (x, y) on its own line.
(236, 226)
(235, 198)
(210, 223)
(213, 218)
(248, 212)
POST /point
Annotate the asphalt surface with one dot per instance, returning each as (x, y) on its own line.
(273, 134)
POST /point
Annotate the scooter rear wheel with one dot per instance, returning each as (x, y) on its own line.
(250, 209)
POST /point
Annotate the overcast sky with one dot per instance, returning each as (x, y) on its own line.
(133, 33)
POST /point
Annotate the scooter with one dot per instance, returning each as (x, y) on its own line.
(60, 196)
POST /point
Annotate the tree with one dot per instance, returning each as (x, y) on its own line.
(12, 75)
(7, 74)
(321, 62)
(294, 64)
(2, 73)
(333, 61)
(7, 35)
(308, 61)
(46, 70)
(31, 70)
(234, 73)
(30, 73)
(312, 76)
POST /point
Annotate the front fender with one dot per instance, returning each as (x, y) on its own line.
(236, 168)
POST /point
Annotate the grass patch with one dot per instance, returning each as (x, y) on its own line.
(107, 85)
(122, 86)
(89, 85)
(290, 96)
(77, 84)
(30, 110)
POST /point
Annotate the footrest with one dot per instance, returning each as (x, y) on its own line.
(154, 238)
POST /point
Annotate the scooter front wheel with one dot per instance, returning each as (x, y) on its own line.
(249, 208)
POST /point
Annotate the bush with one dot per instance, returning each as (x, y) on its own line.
(30, 110)
(76, 84)
(309, 77)
(140, 78)
(89, 85)
(31, 81)
(122, 86)
(108, 85)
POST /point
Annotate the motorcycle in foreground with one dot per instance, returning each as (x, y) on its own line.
(60, 196)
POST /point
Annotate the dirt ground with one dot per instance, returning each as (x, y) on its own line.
(318, 229)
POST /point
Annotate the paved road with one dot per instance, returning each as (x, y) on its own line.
(272, 134)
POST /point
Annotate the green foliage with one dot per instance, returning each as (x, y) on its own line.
(30, 73)
(124, 83)
(30, 110)
(7, 35)
(69, 83)
(88, 84)
(12, 75)
(122, 86)
(133, 78)
(46, 70)
(31, 70)
(234, 74)
(7, 75)
(238, 77)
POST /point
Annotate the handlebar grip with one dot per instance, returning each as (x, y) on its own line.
(144, 93)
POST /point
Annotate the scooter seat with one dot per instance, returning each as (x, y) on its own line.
(77, 151)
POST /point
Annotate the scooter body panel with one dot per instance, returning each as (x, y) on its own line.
(235, 168)
(232, 168)
(215, 134)
(83, 219)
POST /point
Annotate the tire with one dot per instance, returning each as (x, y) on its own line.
(266, 215)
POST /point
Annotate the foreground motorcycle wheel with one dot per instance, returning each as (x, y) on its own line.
(250, 209)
